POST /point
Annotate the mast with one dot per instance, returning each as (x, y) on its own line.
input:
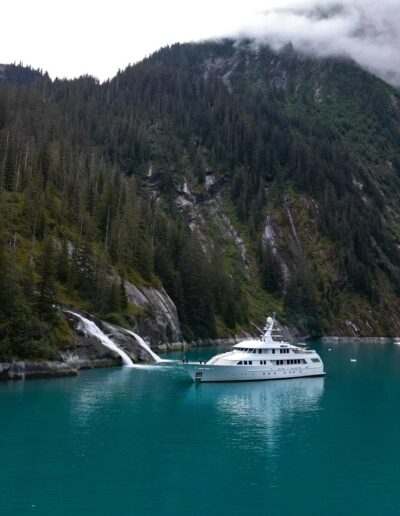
(267, 335)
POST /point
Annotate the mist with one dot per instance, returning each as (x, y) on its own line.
(366, 31)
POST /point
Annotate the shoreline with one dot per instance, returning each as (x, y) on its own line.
(352, 340)
(37, 369)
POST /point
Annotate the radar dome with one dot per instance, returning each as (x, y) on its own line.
(269, 320)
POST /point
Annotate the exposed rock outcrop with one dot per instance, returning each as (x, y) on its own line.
(270, 237)
(158, 323)
(88, 352)
(22, 370)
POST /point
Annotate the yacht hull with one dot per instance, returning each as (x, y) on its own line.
(204, 373)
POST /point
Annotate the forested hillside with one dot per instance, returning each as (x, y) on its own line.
(240, 180)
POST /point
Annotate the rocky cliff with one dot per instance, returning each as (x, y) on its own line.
(157, 321)
(196, 192)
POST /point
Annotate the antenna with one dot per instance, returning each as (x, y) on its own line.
(267, 335)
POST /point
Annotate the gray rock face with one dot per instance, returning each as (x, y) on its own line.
(270, 237)
(22, 370)
(89, 352)
(159, 323)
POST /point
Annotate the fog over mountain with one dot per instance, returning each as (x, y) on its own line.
(364, 30)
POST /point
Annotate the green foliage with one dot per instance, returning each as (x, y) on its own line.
(300, 303)
(271, 271)
(77, 201)
(28, 325)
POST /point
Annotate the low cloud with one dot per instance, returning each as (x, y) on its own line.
(368, 31)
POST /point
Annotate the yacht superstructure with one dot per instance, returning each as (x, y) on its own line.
(258, 359)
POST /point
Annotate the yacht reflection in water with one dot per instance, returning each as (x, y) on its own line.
(268, 404)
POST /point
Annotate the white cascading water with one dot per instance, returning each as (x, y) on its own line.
(94, 330)
(145, 346)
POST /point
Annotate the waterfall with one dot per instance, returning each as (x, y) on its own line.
(94, 330)
(145, 346)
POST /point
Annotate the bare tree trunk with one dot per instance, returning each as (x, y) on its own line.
(106, 240)
(32, 257)
(6, 149)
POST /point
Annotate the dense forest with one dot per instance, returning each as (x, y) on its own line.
(133, 180)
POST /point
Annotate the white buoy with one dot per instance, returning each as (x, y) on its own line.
(353, 360)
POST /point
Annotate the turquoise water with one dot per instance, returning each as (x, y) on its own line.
(147, 441)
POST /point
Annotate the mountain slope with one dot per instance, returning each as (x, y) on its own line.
(239, 179)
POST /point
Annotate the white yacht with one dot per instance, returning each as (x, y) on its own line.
(258, 359)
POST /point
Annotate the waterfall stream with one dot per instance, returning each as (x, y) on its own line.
(94, 330)
(145, 346)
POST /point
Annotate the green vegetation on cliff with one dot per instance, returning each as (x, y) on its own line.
(236, 179)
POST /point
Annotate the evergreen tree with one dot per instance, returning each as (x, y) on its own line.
(271, 270)
(46, 301)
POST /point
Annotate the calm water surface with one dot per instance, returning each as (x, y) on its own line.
(147, 441)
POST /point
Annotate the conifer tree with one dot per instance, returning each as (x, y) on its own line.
(46, 301)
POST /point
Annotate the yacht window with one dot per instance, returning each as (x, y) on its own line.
(250, 362)
(315, 359)
(239, 363)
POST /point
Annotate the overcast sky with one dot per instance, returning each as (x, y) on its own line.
(70, 38)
